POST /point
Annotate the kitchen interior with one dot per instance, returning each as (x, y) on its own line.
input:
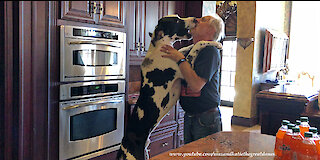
(71, 72)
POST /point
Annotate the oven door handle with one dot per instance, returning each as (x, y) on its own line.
(94, 43)
(92, 103)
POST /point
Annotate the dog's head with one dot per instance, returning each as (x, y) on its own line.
(174, 27)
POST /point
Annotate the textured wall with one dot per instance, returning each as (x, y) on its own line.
(253, 18)
(243, 80)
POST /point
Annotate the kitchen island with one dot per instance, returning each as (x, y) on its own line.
(235, 145)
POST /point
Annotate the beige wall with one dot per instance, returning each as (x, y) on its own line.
(253, 18)
(244, 64)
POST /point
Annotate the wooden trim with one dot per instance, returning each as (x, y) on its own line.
(33, 79)
(53, 77)
(25, 80)
(10, 139)
(2, 75)
(242, 121)
(39, 69)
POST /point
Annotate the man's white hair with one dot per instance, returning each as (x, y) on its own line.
(218, 25)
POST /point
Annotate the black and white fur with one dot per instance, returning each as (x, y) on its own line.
(160, 86)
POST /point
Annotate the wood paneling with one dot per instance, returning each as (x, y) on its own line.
(2, 51)
(54, 70)
(112, 13)
(9, 114)
(25, 80)
(77, 10)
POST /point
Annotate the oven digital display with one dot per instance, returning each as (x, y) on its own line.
(94, 33)
(93, 89)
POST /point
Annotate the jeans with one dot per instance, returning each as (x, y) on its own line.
(196, 127)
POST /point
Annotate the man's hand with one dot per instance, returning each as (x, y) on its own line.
(194, 81)
(172, 53)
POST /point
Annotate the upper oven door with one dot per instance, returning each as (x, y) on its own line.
(86, 59)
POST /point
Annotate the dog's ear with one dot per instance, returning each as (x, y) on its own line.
(158, 35)
(150, 34)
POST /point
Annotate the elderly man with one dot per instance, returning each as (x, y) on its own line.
(200, 96)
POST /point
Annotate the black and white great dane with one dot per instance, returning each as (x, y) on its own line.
(160, 85)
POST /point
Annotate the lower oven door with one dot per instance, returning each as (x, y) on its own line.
(90, 125)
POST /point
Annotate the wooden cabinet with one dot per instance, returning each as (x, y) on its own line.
(142, 18)
(179, 114)
(112, 13)
(286, 102)
(108, 13)
(162, 141)
(169, 133)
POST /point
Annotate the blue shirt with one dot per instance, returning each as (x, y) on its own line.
(207, 66)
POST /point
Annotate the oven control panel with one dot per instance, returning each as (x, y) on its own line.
(93, 89)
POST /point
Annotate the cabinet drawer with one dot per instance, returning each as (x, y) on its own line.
(162, 142)
(180, 139)
(169, 119)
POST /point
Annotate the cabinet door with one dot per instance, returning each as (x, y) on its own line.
(77, 11)
(112, 13)
(153, 11)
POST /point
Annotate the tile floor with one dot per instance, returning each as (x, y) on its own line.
(226, 114)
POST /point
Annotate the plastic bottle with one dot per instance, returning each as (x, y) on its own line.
(316, 139)
(298, 123)
(286, 148)
(304, 127)
(295, 142)
(279, 138)
(307, 149)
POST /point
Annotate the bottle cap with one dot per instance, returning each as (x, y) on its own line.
(285, 122)
(295, 129)
(308, 134)
(304, 119)
(313, 130)
(290, 126)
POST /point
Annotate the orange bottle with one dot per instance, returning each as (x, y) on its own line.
(298, 123)
(316, 139)
(286, 147)
(304, 126)
(307, 149)
(295, 142)
(279, 138)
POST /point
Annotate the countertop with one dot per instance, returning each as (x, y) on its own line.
(290, 91)
(235, 145)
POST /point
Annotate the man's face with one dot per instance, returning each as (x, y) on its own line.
(203, 27)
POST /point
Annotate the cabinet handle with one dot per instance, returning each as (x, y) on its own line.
(92, 7)
(165, 144)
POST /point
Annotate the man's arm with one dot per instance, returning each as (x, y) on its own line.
(195, 83)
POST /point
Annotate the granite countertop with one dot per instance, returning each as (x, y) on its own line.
(283, 91)
(225, 145)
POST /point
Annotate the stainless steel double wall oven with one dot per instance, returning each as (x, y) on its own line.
(91, 107)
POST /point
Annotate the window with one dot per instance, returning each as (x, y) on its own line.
(228, 57)
(304, 54)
